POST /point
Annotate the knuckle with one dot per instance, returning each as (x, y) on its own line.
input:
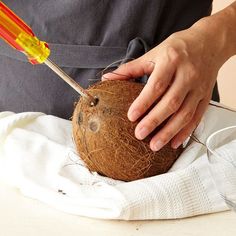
(144, 106)
(174, 104)
(166, 136)
(173, 55)
(187, 116)
(174, 36)
(159, 87)
(191, 75)
(151, 65)
(203, 89)
(193, 72)
(139, 106)
(154, 122)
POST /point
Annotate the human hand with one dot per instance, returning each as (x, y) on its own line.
(183, 71)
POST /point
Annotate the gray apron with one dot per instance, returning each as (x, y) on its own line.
(85, 36)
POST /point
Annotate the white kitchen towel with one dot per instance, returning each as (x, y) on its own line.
(37, 155)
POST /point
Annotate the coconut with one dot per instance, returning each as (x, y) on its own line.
(104, 137)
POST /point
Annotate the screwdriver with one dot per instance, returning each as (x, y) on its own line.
(20, 36)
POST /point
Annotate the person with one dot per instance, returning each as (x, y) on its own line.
(178, 44)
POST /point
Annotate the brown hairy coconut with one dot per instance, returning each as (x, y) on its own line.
(104, 136)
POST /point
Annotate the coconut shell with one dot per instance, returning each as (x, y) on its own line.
(104, 136)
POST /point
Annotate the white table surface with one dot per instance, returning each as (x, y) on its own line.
(21, 216)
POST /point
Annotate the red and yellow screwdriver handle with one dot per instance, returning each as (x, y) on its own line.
(20, 36)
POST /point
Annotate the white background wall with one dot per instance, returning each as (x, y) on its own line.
(227, 74)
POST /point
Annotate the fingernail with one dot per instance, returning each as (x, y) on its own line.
(157, 146)
(176, 145)
(142, 133)
(134, 115)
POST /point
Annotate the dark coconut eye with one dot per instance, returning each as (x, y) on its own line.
(93, 126)
(80, 118)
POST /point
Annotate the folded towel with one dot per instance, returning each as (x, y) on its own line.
(37, 155)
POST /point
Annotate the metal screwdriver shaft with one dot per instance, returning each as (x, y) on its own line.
(71, 82)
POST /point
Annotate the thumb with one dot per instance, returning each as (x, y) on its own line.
(130, 70)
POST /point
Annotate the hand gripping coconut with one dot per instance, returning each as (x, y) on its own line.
(104, 136)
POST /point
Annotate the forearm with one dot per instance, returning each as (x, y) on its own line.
(221, 29)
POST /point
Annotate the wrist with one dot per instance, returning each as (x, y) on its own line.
(219, 30)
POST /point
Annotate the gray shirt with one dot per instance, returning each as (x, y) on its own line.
(85, 36)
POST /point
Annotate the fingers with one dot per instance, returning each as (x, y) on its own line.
(174, 81)
(132, 69)
(143, 65)
(168, 105)
(157, 84)
(176, 123)
(191, 126)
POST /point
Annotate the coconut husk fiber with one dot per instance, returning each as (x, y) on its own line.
(104, 136)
